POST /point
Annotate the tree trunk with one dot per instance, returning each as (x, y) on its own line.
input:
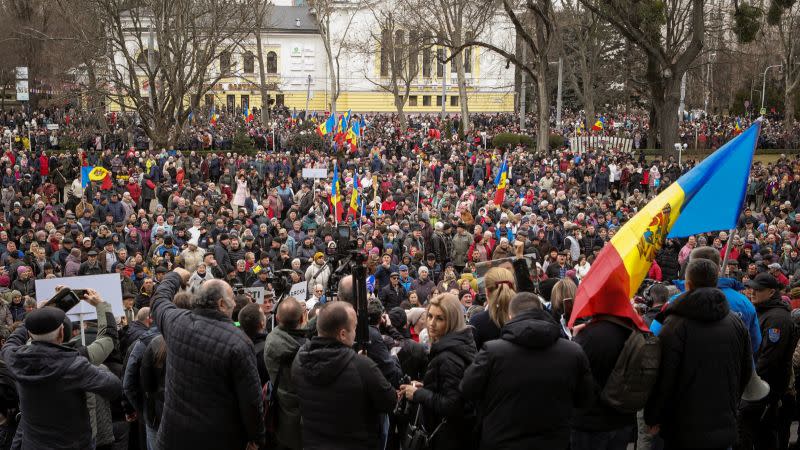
(262, 79)
(400, 104)
(668, 114)
(543, 105)
(788, 104)
(462, 92)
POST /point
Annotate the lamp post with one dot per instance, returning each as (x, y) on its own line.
(764, 84)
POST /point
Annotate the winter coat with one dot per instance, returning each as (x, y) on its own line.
(53, 381)
(213, 394)
(153, 382)
(343, 394)
(322, 278)
(241, 193)
(279, 352)
(392, 296)
(423, 289)
(460, 246)
(26, 287)
(667, 259)
(602, 341)
(706, 362)
(73, 266)
(483, 328)
(544, 378)
(778, 341)
(441, 397)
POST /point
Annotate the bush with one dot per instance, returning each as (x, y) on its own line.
(299, 142)
(513, 139)
(556, 141)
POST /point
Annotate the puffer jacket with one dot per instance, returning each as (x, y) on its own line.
(544, 378)
(279, 351)
(343, 394)
(441, 397)
(778, 341)
(667, 259)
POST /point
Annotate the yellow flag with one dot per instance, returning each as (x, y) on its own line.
(98, 174)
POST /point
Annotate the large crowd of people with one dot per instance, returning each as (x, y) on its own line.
(469, 293)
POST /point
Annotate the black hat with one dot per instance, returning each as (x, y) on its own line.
(67, 240)
(223, 237)
(92, 252)
(44, 320)
(161, 269)
(764, 280)
(128, 294)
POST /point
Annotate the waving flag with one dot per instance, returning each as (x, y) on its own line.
(738, 127)
(213, 116)
(353, 210)
(85, 171)
(336, 194)
(99, 173)
(598, 126)
(327, 126)
(244, 113)
(501, 181)
(707, 198)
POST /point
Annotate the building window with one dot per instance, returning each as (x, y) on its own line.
(426, 100)
(440, 57)
(386, 44)
(225, 63)
(413, 53)
(438, 100)
(426, 62)
(453, 100)
(399, 45)
(245, 102)
(272, 62)
(279, 100)
(412, 100)
(249, 62)
(231, 103)
(467, 53)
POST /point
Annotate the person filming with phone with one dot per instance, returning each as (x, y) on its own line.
(53, 380)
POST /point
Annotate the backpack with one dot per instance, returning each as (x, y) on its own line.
(635, 372)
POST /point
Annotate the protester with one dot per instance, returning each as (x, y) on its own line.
(452, 351)
(544, 377)
(343, 393)
(706, 362)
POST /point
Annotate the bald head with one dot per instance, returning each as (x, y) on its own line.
(143, 314)
(337, 320)
(705, 252)
(216, 294)
(290, 313)
(346, 293)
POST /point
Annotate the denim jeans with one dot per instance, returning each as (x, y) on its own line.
(600, 440)
(152, 435)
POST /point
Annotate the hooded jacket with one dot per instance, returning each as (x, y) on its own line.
(342, 394)
(706, 363)
(53, 381)
(544, 378)
(441, 397)
(279, 351)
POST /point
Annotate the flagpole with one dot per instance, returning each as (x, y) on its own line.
(727, 252)
(419, 185)
(335, 204)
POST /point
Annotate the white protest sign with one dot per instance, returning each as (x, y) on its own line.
(315, 173)
(108, 286)
(257, 293)
(299, 291)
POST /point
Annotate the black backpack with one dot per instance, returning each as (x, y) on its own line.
(635, 372)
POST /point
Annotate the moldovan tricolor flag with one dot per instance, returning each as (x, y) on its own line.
(353, 210)
(99, 173)
(336, 195)
(501, 181)
(707, 198)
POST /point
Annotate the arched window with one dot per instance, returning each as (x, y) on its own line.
(468, 53)
(272, 62)
(399, 48)
(249, 62)
(427, 56)
(225, 63)
(413, 52)
(386, 45)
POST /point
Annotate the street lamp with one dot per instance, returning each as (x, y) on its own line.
(764, 85)
(680, 148)
(483, 137)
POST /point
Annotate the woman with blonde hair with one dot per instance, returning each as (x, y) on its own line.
(452, 350)
(500, 288)
(561, 298)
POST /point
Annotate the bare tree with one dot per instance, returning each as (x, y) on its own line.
(671, 33)
(455, 23)
(192, 44)
(324, 12)
(399, 45)
(787, 27)
(261, 12)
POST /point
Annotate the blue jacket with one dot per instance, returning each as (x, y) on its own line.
(739, 304)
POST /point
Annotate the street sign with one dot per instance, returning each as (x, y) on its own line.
(315, 173)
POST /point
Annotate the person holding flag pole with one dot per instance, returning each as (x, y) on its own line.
(335, 194)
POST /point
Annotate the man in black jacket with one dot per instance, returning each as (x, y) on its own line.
(394, 293)
(53, 381)
(213, 393)
(706, 362)
(342, 393)
(543, 378)
(759, 420)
